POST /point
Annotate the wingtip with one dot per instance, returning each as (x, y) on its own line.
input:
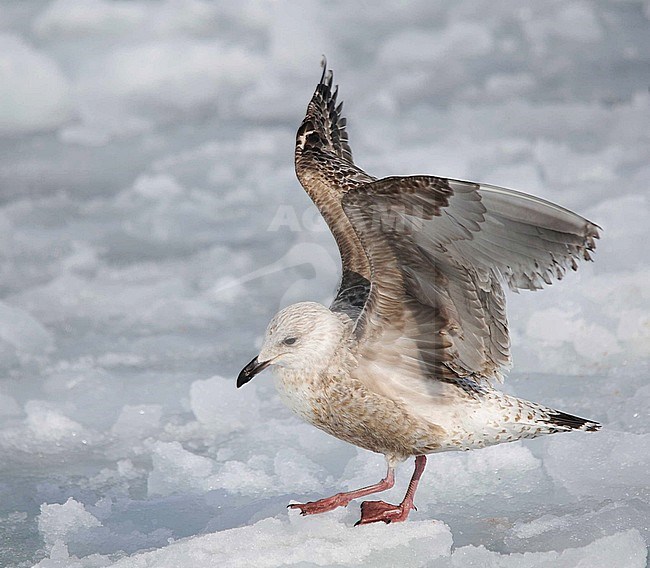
(327, 76)
(323, 64)
(593, 230)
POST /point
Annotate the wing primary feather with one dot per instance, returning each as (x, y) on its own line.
(325, 168)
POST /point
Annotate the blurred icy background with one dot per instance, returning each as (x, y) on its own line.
(151, 224)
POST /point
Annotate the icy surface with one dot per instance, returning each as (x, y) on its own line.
(151, 224)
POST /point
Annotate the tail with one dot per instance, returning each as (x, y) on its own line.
(536, 419)
(561, 422)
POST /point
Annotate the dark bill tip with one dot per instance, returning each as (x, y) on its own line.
(250, 370)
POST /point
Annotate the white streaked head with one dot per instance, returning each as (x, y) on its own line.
(302, 336)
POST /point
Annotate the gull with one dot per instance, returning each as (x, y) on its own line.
(404, 360)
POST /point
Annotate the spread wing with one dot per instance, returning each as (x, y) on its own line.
(439, 251)
(327, 172)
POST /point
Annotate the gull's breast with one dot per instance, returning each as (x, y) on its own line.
(300, 393)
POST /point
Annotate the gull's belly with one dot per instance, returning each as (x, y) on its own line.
(347, 410)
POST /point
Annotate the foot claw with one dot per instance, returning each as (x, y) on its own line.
(376, 511)
(320, 506)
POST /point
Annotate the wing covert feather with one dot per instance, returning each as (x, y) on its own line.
(439, 251)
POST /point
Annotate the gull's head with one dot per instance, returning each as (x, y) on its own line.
(301, 336)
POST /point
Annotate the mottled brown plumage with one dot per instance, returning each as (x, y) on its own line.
(402, 362)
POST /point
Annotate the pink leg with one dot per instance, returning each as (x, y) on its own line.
(374, 511)
(342, 499)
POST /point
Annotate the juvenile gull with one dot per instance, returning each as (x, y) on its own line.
(402, 363)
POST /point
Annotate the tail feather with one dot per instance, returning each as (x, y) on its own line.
(566, 421)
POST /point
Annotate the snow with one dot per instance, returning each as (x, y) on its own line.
(151, 224)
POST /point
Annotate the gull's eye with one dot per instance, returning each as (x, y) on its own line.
(289, 340)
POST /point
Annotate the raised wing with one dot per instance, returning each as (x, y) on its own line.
(323, 127)
(438, 251)
(325, 169)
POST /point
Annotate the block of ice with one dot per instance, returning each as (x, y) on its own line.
(578, 463)
(246, 477)
(553, 327)
(47, 423)
(506, 470)
(57, 523)
(584, 522)
(298, 541)
(175, 470)
(137, 421)
(621, 550)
